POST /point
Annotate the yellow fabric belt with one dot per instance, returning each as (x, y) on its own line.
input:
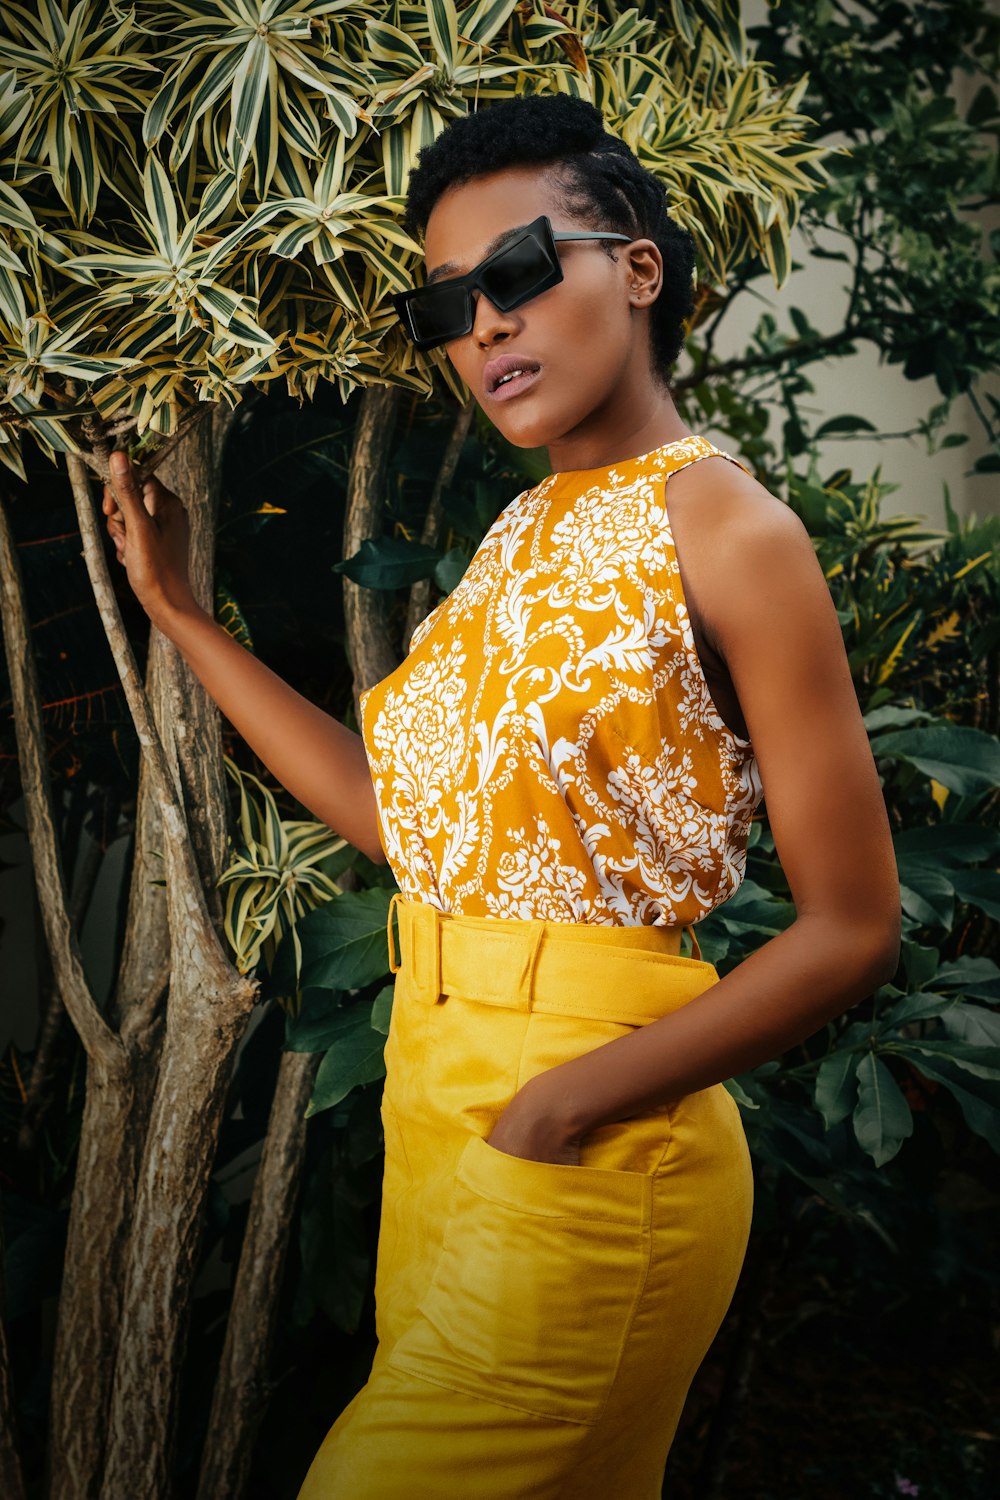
(633, 974)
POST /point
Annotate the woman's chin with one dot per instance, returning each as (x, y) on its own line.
(524, 428)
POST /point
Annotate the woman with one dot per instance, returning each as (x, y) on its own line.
(561, 774)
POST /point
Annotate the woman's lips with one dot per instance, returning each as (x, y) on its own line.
(514, 387)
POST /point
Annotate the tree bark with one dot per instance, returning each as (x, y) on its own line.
(111, 1139)
(81, 1366)
(100, 1042)
(207, 1010)
(242, 1388)
(38, 1093)
(193, 471)
(420, 593)
(134, 1191)
(371, 650)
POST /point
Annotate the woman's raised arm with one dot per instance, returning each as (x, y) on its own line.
(317, 758)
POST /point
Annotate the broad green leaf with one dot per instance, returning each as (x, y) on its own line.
(739, 1094)
(974, 1024)
(976, 1098)
(450, 570)
(927, 895)
(354, 1058)
(882, 1118)
(922, 1006)
(321, 1021)
(965, 760)
(344, 943)
(382, 1009)
(966, 973)
(979, 888)
(836, 1086)
(984, 1062)
(389, 562)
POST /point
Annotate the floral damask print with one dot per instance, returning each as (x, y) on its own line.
(533, 882)
(549, 747)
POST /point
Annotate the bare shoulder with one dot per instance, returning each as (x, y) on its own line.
(769, 611)
(736, 543)
(730, 501)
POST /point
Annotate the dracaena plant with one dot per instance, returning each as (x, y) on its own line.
(203, 198)
(273, 878)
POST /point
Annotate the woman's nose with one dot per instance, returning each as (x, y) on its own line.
(487, 318)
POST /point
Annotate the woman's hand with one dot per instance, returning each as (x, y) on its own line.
(149, 527)
(530, 1127)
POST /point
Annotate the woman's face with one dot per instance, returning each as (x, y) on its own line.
(589, 333)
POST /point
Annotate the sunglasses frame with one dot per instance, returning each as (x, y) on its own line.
(540, 230)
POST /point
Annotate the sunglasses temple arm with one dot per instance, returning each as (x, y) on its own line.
(560, 235)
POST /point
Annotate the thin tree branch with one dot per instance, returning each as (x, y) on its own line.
(799, 351)
(365, 617)
(39, 1090)
(242, 1388)
(100, 1042)
(420, 592)
(135, 696)
(991, 433)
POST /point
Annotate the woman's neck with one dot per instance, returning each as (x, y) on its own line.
(615, 435)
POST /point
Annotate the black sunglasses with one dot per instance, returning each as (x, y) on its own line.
(521, 269)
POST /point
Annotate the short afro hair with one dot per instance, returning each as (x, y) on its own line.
(601, 182)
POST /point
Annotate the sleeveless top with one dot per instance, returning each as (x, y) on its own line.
(549, 748)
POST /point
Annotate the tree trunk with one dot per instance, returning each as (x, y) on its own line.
(373, 655)
(242, 1388)
(207, 1011)
(207, 1008)
(420, 593)
(78, 1379)
(193, 471)
(140, 1186)
(111, 1138)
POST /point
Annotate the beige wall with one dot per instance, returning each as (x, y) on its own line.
(858, 384)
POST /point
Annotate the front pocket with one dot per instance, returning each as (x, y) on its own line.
(532, 1298)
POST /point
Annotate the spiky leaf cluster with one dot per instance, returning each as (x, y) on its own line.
(198, 198)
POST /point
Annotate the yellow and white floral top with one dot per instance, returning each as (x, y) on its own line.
(549, 747)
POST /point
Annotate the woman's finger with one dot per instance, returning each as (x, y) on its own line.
(152, 492)
(125, 487)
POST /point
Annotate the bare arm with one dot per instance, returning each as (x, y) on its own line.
(771, 616)
(316, 757)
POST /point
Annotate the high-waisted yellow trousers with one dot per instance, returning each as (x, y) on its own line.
(538, 1323)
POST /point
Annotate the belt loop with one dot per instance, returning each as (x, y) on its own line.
(394, 966)
(695, 945)
(425, 931)
(528, 982)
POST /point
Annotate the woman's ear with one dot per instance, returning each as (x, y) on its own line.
(645, 268)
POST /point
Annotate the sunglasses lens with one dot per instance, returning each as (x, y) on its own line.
(515, 274)
(519, 271)
(439, 313)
